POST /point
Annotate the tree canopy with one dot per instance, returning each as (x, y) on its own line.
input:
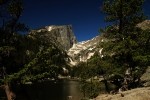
(127, 43)
(24, 57)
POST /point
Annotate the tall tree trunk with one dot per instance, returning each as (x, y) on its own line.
(106, 84)
(120, 18)
(10, 94)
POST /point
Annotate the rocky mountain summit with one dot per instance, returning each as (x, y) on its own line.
(62, 36)
(82, 51)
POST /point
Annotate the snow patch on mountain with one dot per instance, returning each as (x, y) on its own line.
(49, 28)
(77, 48)
(90, 55)
(100, 51)
(72, 62)
(82, 51)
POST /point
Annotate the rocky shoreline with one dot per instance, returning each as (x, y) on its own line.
(134, 94)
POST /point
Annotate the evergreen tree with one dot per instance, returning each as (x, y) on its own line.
(123, 13)
(24, 58)
(126, 42)
(9, 56)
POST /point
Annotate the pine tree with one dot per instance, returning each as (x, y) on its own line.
(23, 58)
(126, 41)
(9, 57)
(123, 13)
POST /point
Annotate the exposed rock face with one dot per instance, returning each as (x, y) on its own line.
(144, 25)
(146, 77)
(84, 50)
(134, 94)
(59, 35)
(63, 37)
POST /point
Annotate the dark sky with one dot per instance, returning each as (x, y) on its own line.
(84, 15)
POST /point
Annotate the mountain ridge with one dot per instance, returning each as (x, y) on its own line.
(84, 50)
(64, 38)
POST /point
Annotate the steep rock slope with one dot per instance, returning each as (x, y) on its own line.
(82, 51)
(145, 78)
(62, 36)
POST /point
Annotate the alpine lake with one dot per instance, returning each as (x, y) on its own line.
(62, 89)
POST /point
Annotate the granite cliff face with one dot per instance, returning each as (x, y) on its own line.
(62, 36)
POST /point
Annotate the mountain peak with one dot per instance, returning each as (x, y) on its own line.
(82, 51)
(62, 35)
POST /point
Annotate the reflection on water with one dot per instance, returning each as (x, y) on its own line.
(50, 90)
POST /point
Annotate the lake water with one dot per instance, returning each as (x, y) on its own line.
(50, 90)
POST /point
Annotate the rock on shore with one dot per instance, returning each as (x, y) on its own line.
(134, 94)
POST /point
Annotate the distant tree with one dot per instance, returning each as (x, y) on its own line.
(126, 42)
